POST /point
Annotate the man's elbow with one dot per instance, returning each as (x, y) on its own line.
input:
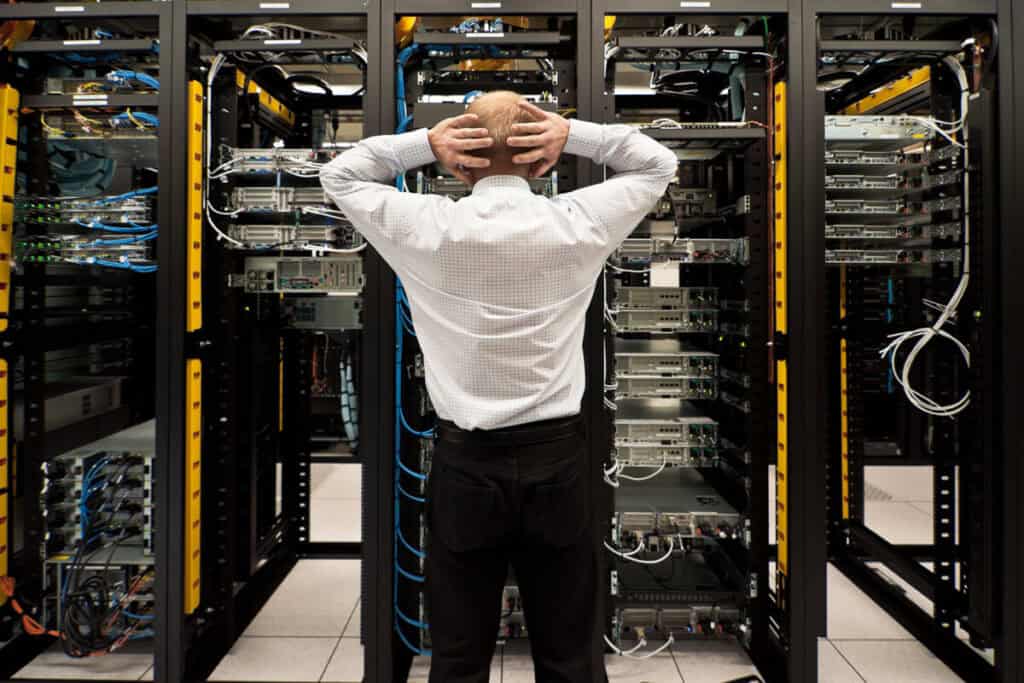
(668, 164)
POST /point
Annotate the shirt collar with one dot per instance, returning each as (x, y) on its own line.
(497, 183)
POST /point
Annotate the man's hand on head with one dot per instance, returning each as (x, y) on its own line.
(452, 141)
(545, 137)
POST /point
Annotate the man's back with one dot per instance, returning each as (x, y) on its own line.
(499, 287)
(500, 281)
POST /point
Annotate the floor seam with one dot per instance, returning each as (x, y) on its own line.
(852, 667)
(344, 629)
(330, 659)
(679, 669)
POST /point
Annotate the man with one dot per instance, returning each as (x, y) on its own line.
(499, 283)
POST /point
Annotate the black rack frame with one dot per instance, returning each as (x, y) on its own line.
(852, 546)
(33, 340)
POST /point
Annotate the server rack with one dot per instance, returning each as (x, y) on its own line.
(559, 29)
(273, 346)
(972, 517)
(80, 110)
(780, 625)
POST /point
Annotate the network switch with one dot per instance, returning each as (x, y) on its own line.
(676, 298)
(301, 275)
(82, 249)
(93, 212)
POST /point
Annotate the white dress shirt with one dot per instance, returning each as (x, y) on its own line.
(499, 282)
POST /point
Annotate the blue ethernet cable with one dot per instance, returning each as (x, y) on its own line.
(125, 77)
(128, 195)
(134, 229)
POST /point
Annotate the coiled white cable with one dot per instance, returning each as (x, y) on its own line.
(924, 335)
(630, 556)
(631, 653)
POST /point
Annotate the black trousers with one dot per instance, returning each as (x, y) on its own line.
(512, 496)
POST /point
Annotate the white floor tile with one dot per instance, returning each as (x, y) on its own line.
(346, 665)
(316, 599)
(832, 668)
(852, 614)
(148, 676)
(275, 659)
(904, 484)
(898, 522)
(334, 519)
(893, 660)
(53, 664)
(712, 661)
(421, 668)
(354, 620)
(336, 480)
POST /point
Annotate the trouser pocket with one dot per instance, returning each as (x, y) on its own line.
(555, 508)
(466, 510)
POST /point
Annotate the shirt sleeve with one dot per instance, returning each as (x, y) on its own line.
(643, 169)
(361, 182)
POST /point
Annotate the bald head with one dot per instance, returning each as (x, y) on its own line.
(498, 111)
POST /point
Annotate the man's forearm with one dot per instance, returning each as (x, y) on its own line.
(381, 158)
(622, 148)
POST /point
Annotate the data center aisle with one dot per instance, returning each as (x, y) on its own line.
(309, 631)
